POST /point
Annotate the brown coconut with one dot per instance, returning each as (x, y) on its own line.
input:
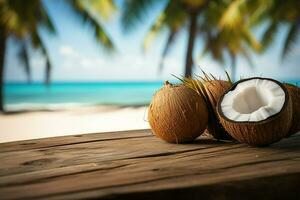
(215, 89)
(294, 92)
(260, 133)
(177, 114)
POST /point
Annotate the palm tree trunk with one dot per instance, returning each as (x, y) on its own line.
(190, 48)
(2, 56)
(233, 66)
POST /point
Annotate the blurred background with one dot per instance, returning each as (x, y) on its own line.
(81, 66)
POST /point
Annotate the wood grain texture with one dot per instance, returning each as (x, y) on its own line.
(69, 140)
(137, 165)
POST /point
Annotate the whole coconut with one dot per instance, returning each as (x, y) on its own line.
(214, 90)
(294, 92)
(177, 114)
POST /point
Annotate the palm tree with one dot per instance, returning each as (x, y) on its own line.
(282, 13)
(241, 15)
(177, 15)
(21, 20)
(212, 20)
(227, 31)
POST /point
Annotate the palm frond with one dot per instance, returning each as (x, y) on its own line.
(153, 32)
(24, 58)
(48, 70)
(172, 18)
(103, 8)
(232, 16)
(269, 35)
(258, 11)
(247, 56)
(87, 17)
(169, 43)
(39, 44)
(214, 46)
(291, 38)
(19, 18)
(45, 20)
(250, 39)
(135, 12)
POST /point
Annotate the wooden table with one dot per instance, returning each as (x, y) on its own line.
(137, 165)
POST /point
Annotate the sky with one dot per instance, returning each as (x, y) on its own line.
(77, 57)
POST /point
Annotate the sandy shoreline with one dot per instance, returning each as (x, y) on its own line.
(77, 120)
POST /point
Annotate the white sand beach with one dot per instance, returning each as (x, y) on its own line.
(71, 121)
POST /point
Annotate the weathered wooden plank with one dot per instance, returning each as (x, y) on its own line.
(110, 162)
(134, 166)
(274, 187)
(137, 177)
(98, 151)
(72, 139)
(62, 156)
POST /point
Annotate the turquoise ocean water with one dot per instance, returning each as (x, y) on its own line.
(113, 93)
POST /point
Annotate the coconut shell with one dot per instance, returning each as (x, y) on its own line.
(177, 114)
(215, 89)
(294, 92)
(263, 132)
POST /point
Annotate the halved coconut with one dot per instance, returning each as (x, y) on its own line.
(256, 111)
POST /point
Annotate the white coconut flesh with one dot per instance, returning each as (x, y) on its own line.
(253, 100)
